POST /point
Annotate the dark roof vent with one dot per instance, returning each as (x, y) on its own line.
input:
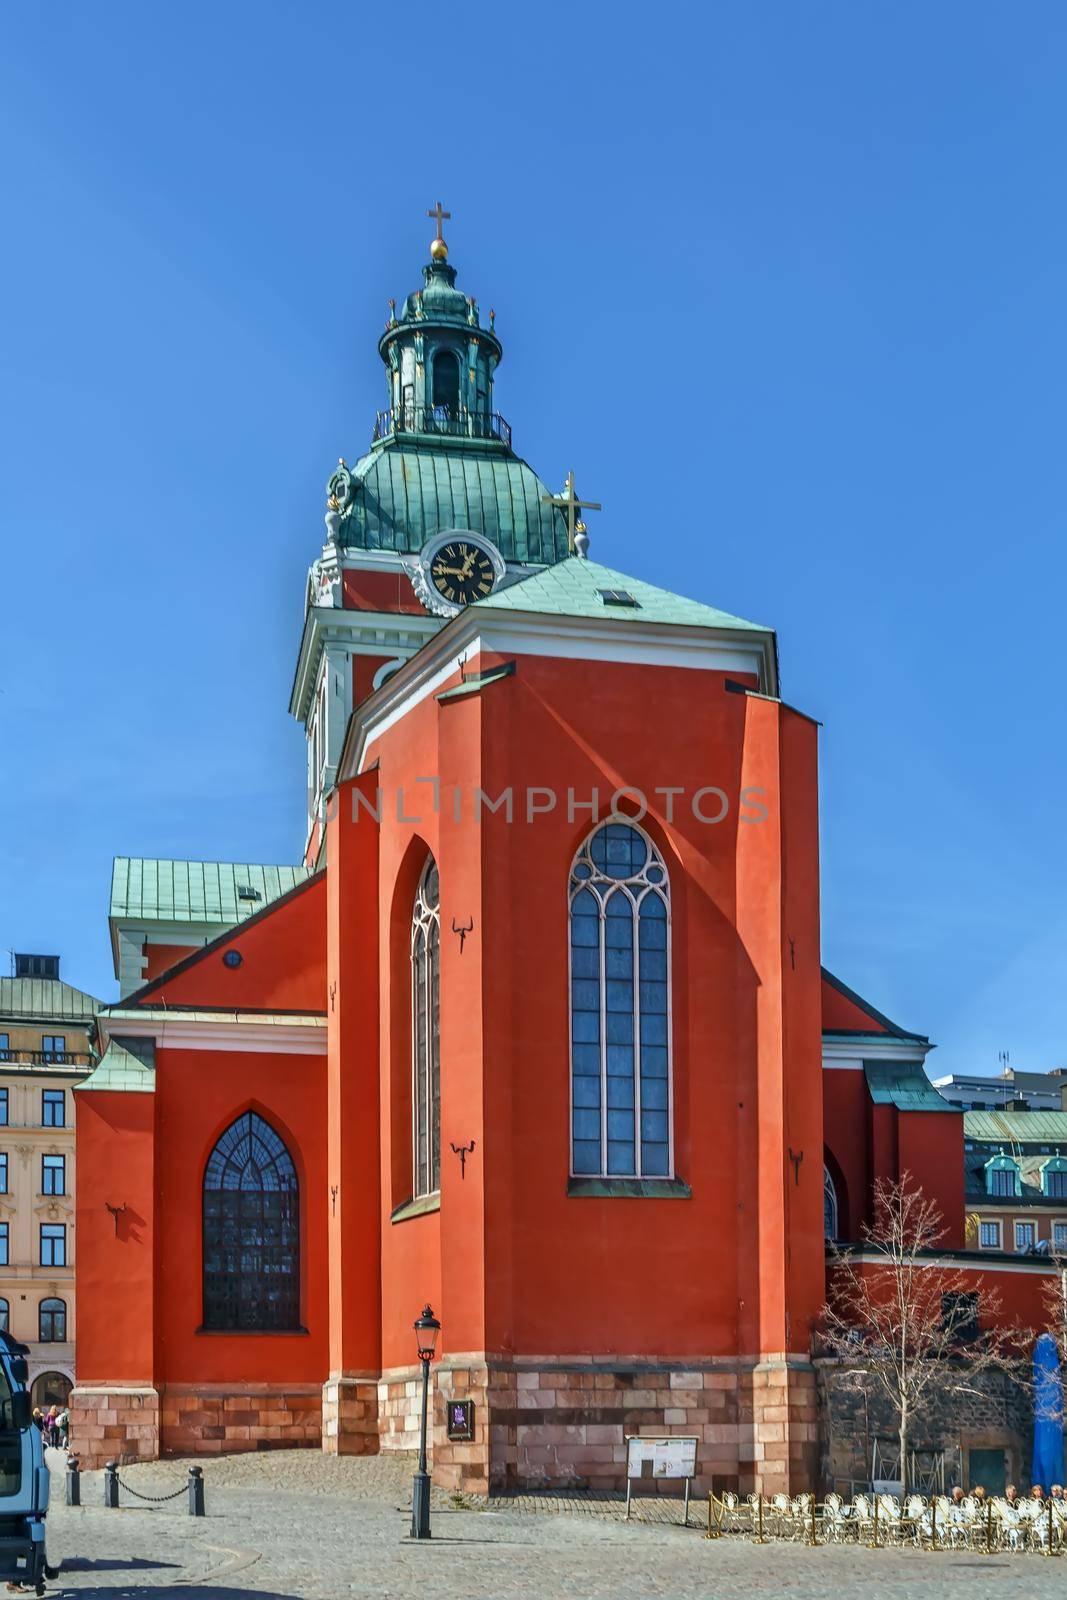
(245, 891)
(36, 966)
(618, 597)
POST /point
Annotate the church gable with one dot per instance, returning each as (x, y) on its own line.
(844, 1011)
(274, 961)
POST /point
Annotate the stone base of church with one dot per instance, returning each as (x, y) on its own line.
(221, 1418)
(350, 1414)
(123, 1424)
(552, 1423)
(117, 1423)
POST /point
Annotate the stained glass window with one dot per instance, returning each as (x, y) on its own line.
(620, 1007)
(829, 1205)
(251, 1230)
(426, 1033)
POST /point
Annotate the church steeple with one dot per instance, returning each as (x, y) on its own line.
(439, 359)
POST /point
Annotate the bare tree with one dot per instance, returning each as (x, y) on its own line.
(903, 1316)
(1054, 1296)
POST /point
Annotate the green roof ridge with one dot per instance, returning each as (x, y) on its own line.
(573, 588)
(119, 1069)
(46, 998)
(158, 889)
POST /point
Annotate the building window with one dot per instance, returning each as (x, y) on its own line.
(5, 1047)
(829, 1205)
(1003, 1179)
(3, 1172)
(989, 1235)
(54, 1047)
(1059, 1237)
(4, 1243)
(1054, 1175)
(620, 1007)
(251, 1231)
(53, 1244)
(3, 1108)
(52, 1322)
(960, 1315)
(426, 1033)
(446, 381)
(53, 1174)
(54, 1108)
(5, 1317)
(1025, 1235)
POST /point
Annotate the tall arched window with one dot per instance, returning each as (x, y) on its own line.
(251, 1231)
(446, 380)
(426, 1033)
(52, 1321)
(829, 1205)
(620, 1007)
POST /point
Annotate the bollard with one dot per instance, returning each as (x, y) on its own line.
(196, 1492)
(111, 1486)
(989, 1530)
(74, 1482)
(874, 1545)
(814, 1530)
(1050, 1551)
(759, 1506)
(713, 1529)
(933, 1522)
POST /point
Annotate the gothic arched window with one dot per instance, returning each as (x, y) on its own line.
(426, 1033)
(620, 1007)
(251, 1231)
(446, 380)
(829, 1205)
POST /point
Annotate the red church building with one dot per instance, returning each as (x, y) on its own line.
(538, 1032)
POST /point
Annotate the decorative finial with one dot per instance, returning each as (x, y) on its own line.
(581, 541)
(438, 249)
(492, 318)
(568, 501)
(341, 462)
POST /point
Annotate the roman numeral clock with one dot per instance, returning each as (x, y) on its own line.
(454, 569)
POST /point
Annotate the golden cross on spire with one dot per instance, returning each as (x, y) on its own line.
(567, 500)
(439, 250)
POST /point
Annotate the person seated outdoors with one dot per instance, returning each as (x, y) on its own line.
(1011, 1495)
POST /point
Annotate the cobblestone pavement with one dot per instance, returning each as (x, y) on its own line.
(292, 1525)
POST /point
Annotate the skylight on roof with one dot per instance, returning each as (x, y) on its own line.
(617, 597)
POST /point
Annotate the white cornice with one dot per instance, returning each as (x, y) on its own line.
(512, 633)
(852, 1053)
(231, 1030)
(361, 633)
(957, 1262)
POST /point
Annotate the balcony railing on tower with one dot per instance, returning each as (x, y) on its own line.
(455, 422)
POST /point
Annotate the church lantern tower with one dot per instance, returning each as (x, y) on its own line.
(441, 475)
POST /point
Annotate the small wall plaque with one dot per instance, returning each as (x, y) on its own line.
(461, 1419)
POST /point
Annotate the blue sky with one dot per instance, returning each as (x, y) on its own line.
(783, 283)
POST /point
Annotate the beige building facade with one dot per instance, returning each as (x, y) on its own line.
(45, 1028)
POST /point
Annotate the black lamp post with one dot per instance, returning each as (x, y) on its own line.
(427, 1328)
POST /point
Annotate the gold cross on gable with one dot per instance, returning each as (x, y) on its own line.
(440, 215)
(567, 500)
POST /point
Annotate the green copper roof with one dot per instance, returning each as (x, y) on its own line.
(1017, 1127)
(119, 1069)
(45, 1000)
(196, 891)
(574, 588)
(402, 494)
(905, 1085)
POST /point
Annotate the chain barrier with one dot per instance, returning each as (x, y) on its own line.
(156, 1499)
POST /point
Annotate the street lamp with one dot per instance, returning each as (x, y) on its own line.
(427, 1328)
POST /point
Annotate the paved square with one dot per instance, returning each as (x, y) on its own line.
(295, 1526)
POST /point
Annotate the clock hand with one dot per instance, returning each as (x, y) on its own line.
(452, 572)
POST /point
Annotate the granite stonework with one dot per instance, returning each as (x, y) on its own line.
(992, 1413)
(120, 1424)
(538, 1422)
(113, 1424)
(350, 1414)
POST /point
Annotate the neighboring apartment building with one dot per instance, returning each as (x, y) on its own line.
(45, 1027)
(1007, 1090)
(1016, 1181)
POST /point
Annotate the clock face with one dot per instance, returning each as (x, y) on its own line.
(462, 571)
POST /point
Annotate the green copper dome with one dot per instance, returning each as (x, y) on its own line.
(441, 457)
